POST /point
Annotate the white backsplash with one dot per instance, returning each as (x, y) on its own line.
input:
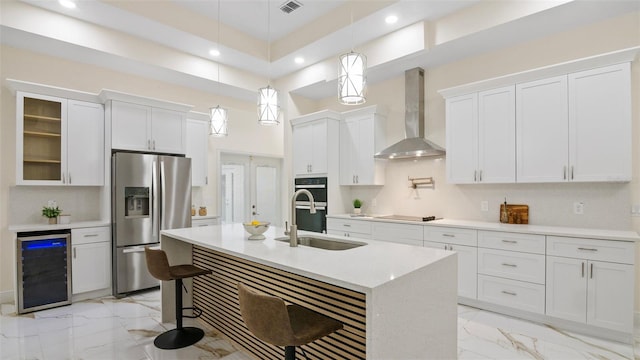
(26, 202)
(606, 205)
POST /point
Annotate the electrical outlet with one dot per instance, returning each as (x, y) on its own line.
(484, 205)
(635, 210)
(578, 208)
(374, 203)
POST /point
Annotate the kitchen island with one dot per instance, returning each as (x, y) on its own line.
(395, 301)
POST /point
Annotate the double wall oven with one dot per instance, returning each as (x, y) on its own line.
(305, 220)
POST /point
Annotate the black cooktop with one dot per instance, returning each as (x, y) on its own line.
(407, 218)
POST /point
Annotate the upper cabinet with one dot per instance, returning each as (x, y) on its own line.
(574, 126)
(481, 137)
(542, 130)
(361, 137)
(197, 150)
(145, 128)
(314, 139)
(59, 141)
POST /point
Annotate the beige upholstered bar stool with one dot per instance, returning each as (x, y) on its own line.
(158, 266)
(274, 322)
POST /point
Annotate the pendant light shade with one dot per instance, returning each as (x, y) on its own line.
(352, 79)
(218, 122)
(268, 108)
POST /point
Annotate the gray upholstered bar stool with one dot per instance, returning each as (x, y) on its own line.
(271, 320)
(158, 266)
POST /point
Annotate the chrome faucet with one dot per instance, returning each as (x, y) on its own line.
(293, 228)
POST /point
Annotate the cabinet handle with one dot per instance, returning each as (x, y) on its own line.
(475, 175)
(63, 179)
(509, 265)
(572, 172)
(69, 178)
(564, 173)
(445, 247)
(347, 225)
(509, 293)
(353, 179)
(148, 144)
(448, 235)
(206, 180)
(510, 241)
(583, 269)
(90, 235)
(587, 249)
(74, 252)
(154, 144)
(591, 276)
(357, 179)
(480, 175)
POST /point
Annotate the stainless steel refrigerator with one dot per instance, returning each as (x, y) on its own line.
(149, 193)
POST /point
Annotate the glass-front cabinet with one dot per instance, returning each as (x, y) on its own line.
(59, 141)
(41, 137)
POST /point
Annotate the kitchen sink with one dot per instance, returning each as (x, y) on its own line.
(322, 243)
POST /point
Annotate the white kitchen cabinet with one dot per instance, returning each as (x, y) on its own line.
(542, 130)
(315, 141)
(586, 289)
(91, 259)
(349, 228)
(464, 242)
(600, 124)
(361, 137)
(481, 137)
(198, 151)
(399, 233)
(462, 139)
(146, 128)
(59, 141)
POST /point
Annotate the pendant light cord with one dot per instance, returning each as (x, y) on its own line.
(218, 45)
(268, 43)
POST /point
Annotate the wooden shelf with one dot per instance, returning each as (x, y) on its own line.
(40, 117)
(41, 134)
(42, 161)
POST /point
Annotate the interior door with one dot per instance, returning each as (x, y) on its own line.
(250, 188)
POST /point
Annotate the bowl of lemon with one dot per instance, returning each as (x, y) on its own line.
(256, 229)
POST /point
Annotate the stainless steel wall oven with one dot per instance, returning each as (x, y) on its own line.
(306, 221)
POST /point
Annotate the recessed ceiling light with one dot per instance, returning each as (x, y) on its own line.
(299, 60)
(69, 4)
(391, 19)
(214, 52)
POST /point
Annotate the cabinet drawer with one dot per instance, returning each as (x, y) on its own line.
(530, 243)
(398, 233)
(512, 265)
(358, 226)
(349, 234)
(90, 235)
(451, 235)
(516, 294)
(203, 222)
(591, 249)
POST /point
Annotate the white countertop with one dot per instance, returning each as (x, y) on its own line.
(619, 235)
(46, 227)
(350, 268)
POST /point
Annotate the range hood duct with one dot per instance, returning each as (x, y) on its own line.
(414, 145)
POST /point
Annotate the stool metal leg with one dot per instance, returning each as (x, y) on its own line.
(289, 353)
(180, 336)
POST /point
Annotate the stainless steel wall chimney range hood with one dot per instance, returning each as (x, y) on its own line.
(414, 145)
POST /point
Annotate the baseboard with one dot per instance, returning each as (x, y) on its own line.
(7, 297)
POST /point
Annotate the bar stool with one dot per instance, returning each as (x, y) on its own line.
(158, 266)
(274, 322)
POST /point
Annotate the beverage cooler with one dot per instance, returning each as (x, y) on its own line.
(44, 270)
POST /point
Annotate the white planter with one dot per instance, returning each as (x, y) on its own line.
(357, 210)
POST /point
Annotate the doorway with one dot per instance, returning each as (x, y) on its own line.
(250, 188)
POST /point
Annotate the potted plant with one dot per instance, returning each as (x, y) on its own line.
(357, 204)
(51, 211)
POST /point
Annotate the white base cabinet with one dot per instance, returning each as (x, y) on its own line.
(90, 259)
(582, 288)
(349, 228)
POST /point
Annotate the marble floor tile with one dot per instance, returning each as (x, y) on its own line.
(110, 328)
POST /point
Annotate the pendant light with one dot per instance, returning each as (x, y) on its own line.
(352, 77)
(268, 107)
(217, 115)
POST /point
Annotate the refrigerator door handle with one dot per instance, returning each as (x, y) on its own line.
(162, 195)
(154, 201)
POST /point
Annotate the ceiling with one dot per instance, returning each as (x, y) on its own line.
(257, 40)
